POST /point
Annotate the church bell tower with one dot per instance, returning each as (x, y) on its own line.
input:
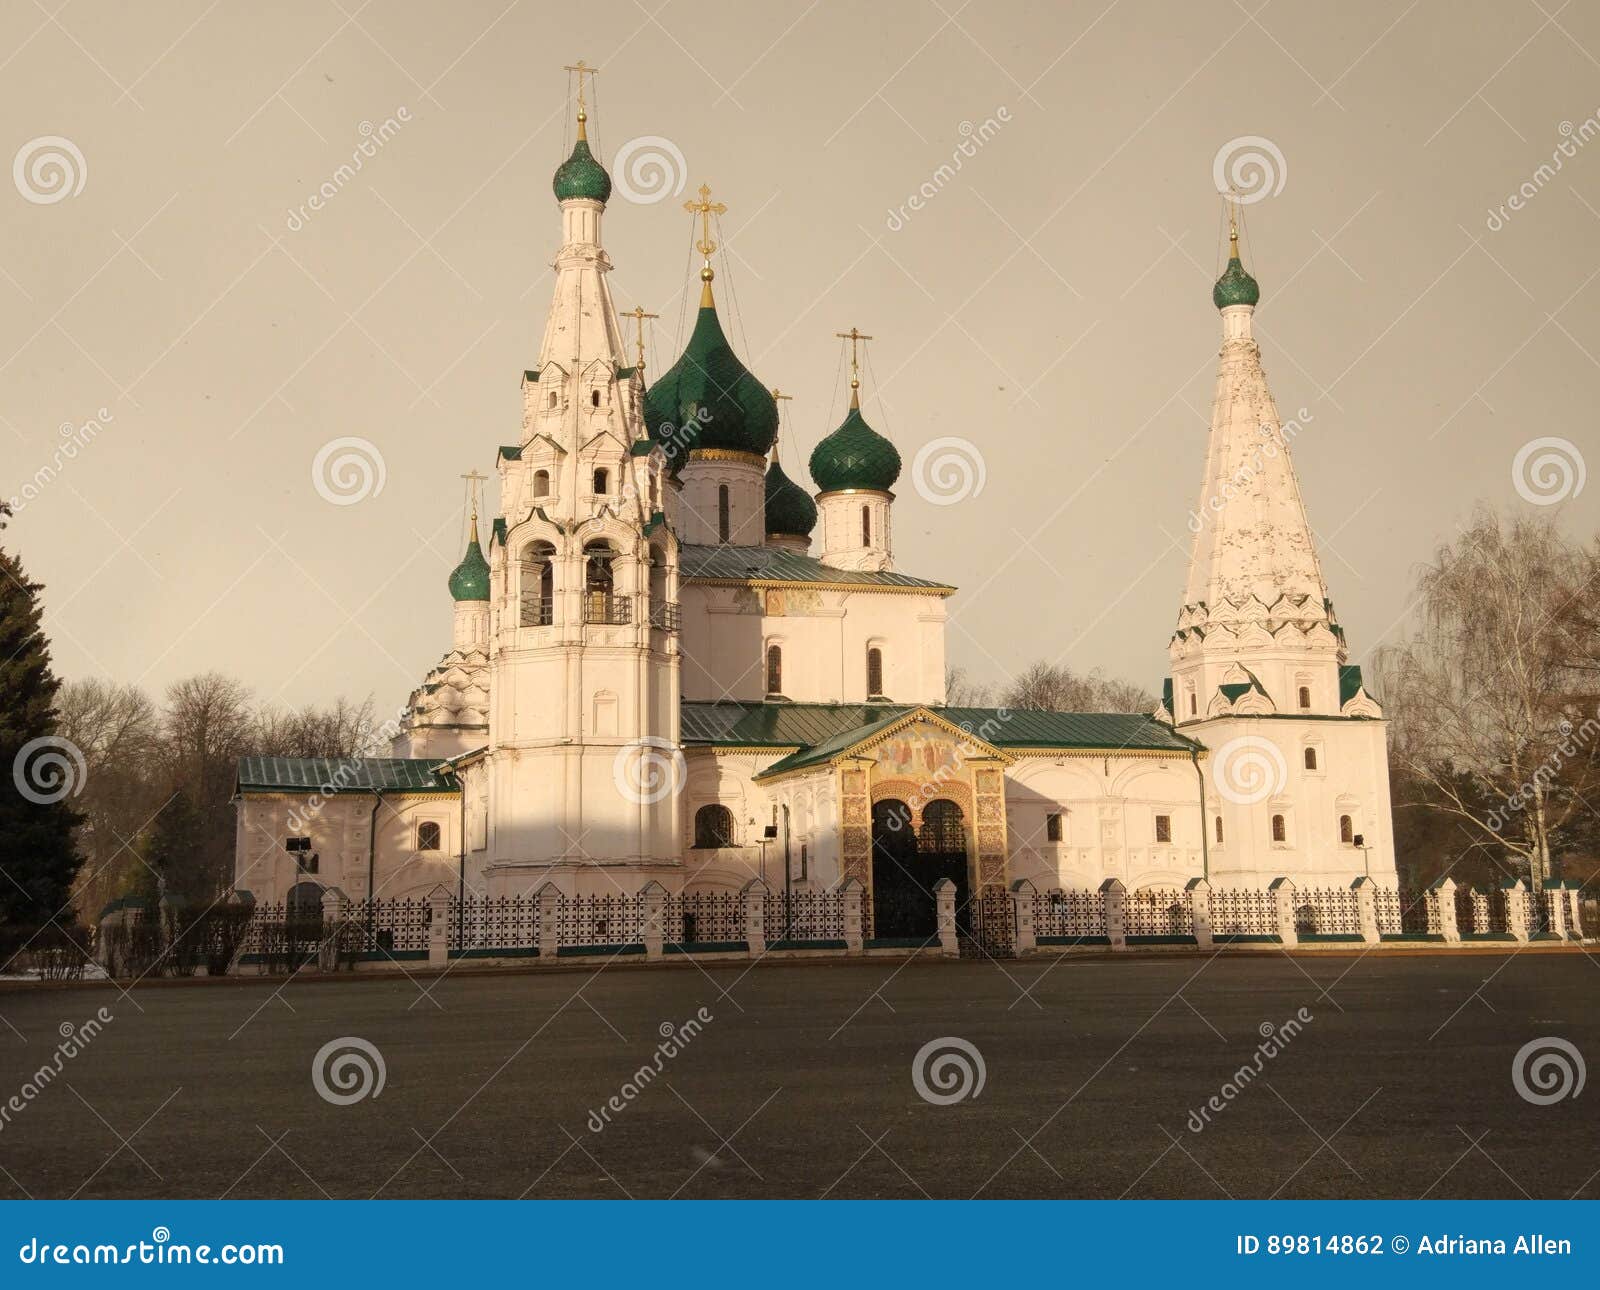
(584, 758)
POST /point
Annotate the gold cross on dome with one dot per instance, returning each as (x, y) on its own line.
(705, 208)
(582, 69)
(638, 315)
(854, 337)
(473, 479)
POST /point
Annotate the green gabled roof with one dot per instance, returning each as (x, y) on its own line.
(1236, 690)
(818, 731)
(343, 775)
(532, 374)
(510, 452)
(641, 448)
(1349, 682)
(498, 529)
(774, 564)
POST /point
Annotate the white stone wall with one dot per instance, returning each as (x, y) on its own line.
(840, 529)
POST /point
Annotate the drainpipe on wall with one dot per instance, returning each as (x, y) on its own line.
(461, 871)
(1205, 840)
(372, 862)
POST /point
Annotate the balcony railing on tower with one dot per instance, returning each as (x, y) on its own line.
(537, 610)
(610, 611)
(665, 615)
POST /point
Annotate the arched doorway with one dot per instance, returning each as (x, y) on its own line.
(942, 852)
(907, 863)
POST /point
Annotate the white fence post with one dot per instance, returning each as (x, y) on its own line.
(549, 901)
(335, 909)
(1022, 896)
(754, 894)
(1443, 896)
(944, 906)
(851, 898)
(655, 910)
(1115, 896)
(1200, 911)
(1282, 890)
(1517, 910)
(1556, 900)
(1367, 908)
(1574, 913)
(439, 926)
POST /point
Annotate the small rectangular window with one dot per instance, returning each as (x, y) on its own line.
(1052, 827)
(1163, 828)
(805, 859)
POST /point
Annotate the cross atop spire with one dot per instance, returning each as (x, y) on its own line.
(582, 69)
(473, 479)
(778, 396)
(854, 337)
(638, 315)
(705, 208)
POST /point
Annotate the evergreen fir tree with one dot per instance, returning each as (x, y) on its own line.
(41, 773)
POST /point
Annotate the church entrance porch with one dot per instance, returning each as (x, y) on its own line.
(909, 858)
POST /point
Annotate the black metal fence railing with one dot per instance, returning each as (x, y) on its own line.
(537, 611)
(609, 611)
(665, 615)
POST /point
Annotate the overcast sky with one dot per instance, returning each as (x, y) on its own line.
(1049, 303)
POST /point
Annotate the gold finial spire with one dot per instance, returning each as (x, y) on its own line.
(780, 397)
(473, 479)
(705, 208)
(1233, 228)
(638, 315)
(582, 69)
(854, 336)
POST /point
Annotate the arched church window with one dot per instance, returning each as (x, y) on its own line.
(713, 827)
(866, 526)
(1311, 759)
(428, 835)
(1280, 829)
(1305, 698)
(1193, 707)
(1219, 830)
(774, 670)
(541, 483)
(538, 585)
(601, 480)
(723, 518)
(550, 399)
(1347, 830)
(594, 398)
(874, 673)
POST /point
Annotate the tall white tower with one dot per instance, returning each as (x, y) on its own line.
(855, 467)
(583, 626)
(1298, 768)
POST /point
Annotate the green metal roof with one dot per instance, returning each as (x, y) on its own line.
(774, 564)
(581, 175)
(855, 456)
(818, 731)
(343, 775)
(511, 452)
(1349, 682)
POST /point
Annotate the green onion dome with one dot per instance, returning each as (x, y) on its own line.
(708, 399)
(855, 456)
(580, 175)
(1235, 286)
(470, 579)
(790, 510)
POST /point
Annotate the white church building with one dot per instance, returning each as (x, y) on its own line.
(670, 661)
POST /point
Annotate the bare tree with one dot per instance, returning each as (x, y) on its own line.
(1054, 687)
(344, 729)
(1485, 710)
(961, 692)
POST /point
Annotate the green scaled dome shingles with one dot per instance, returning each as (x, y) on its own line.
(855, 456)
(580, 175)
(470, 580)
(1235, 287)
(790, 510)
(709, 399)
